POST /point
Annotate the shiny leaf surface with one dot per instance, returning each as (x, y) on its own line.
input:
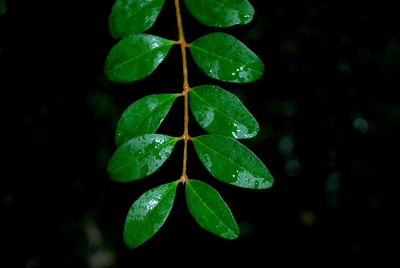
(210, 210)
(231, 162)
(133, 16)
(140, 157)
(223, 57)
(135, 57)
(221, 13)
(220, 112)
(143, 116)
(148, 213)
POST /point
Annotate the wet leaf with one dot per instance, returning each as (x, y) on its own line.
(143, 116)
(210, 210)
(133, 16)
(140, 157)
(220, 112)
(231, 162)
(221, 13)
(135, 57)
(223, 57)
(148, 213)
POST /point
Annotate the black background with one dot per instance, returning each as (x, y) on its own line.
(326, 104)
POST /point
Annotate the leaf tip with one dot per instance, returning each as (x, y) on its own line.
(234, 234)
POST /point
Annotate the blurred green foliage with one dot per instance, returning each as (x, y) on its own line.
(3, 7)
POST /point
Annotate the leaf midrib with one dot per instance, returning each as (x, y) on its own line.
(226, 59)
(209, 209)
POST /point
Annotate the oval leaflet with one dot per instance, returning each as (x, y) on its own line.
(221, 13)
(223, 57)
(210, 210)
(231, 162)
(133, 16)
(220, 112)
(144, 116)
(148, 213)
(140, 157)
(135, 57)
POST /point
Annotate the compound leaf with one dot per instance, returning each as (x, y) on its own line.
(144, 116)
(133, 16)
(223, 57)
(220, 112)
(210, 210)
(148, 213)
(140, 157)
(231, 162)
(135, 57)
(221, 13)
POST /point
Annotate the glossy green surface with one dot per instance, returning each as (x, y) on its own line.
(210, 210)
(223, 57)
(135, 57)
(221, 13)
(231, 162)
(140, 157)
(148, 213)
(144, 116)
(220, 112)
(3, 7)
(133, 16)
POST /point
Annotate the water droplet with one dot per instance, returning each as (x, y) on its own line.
(151, 204)
(207, 161)
(207, 117)
(240, 131)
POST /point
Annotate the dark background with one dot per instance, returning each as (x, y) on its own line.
(326, 104)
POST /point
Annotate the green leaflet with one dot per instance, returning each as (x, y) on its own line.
(231, 162)
(3, 7)
(140, 157)
(210, 210)
(133, 16)
(135, 57)
(223, 57)
(221, 13)
(148, 213)
(220, 112)
(144, 116)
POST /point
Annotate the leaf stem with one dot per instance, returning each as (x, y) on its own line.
(186, 89)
